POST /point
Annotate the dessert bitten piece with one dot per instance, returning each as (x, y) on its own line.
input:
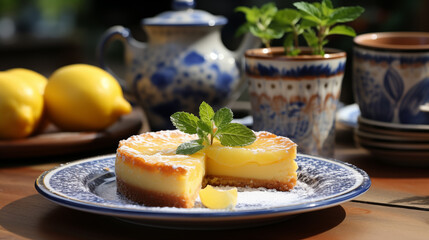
(149, 172)
(269, 162)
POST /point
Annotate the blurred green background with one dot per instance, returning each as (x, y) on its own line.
(46, 34)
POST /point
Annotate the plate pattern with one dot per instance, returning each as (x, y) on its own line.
(89, 185)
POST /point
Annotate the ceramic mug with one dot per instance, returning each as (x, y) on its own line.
(391, 76)
(297, 96)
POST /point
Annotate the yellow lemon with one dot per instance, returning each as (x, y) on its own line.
(218, 199)
(82, 97)
(35, 79)
(21, 107)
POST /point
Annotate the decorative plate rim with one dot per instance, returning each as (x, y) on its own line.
(181, 215)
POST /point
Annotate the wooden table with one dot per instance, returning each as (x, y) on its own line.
(395, 207)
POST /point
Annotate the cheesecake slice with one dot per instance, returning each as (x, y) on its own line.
(269, 162)
(148, 170)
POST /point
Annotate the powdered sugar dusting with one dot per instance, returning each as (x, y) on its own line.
(93, 182)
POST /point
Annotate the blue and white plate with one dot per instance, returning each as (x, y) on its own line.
(90, 185)
(348, 115)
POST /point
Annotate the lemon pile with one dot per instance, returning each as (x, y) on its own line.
(78, 97)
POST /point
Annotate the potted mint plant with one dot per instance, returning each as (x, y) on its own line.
(294, 90)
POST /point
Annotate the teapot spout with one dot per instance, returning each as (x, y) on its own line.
(249, 41)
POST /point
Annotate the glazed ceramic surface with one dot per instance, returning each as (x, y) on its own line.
(296, 97)
(183, 63)
(391, 77)
(90, 185)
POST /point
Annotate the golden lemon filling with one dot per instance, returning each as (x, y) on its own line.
(149, 172)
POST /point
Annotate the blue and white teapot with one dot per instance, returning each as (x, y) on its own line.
(183, 63)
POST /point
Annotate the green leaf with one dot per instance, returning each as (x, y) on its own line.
(206, 112)
(190, 147)
(289, 46)
(295, 52)
(342, 30)
(310, 37)
(268, 9)
(344, 14)
(307, 24)
(185, 122)
(326, 8)
(222, 117)
(235, 134)
(327, 4)
(309, 9)
(251, 14)
(287, 17)
(205, 127)
(203, 135)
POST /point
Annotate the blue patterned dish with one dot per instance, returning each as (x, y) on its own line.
(90, 185)
(348, 115)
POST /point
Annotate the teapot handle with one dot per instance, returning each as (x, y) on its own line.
(113, 34)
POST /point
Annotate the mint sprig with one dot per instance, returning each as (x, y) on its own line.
(314, 21)
(209, 126)
(323, 16)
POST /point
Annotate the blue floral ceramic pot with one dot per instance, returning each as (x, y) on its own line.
(391, 77)
(297, 96)
(183, 63)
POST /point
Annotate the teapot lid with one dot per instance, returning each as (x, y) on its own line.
(184, 14)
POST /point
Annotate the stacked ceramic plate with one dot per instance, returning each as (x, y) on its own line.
(403, 144)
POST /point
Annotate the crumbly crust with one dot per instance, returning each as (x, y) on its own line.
(246, 182)
(152, 198)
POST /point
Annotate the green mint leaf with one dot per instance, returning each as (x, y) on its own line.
(326, 8)
(307, 24)
(259, 22)
(311, 38)
(344, 14)
(190, 147)
(185, 122)
(289, 46)
(342, 30)
(309, 9)
(206, 112)
(267, 13)
(235, 134)
(327, 4)
(286, 17)
(206, 127)
(223, 116)
(251, 14)
(203, 135)
(267, 34)
(316, 21)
